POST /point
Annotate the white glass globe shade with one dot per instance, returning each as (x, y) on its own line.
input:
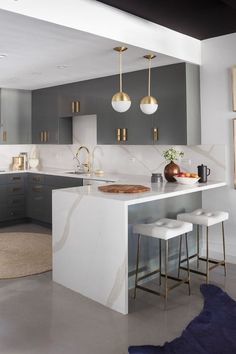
(148, 108)
(121, 106)
(148, 105)
(121, 102)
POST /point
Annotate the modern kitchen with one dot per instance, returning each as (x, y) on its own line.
(117, 182)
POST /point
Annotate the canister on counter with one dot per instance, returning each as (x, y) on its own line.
(156, 178)
(17, 163)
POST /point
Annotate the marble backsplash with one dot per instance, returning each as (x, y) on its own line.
(129, 159)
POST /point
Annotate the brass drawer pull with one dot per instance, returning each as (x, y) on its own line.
(16, 201)
(16, 178)
(37, 189)
(73, 106)
(17, 189)
(41, 136)
(36, 179)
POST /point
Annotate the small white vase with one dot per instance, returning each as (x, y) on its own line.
(33, 163)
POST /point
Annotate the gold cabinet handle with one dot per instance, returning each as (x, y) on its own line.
(155, 134)
(77, 106)
(45, 136)
(124, 134)
(4, 136)
(73, 106)
(118, 134)
(41, 136)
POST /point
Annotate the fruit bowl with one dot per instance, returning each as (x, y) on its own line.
(187, 180)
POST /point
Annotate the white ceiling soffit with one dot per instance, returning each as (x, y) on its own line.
(103, 20)
(41, 54)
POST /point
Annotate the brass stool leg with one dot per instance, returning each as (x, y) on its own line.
(180, 250)
(160, 261)
(166, 272)
(223, 235)
(207, 256)
(137, 266)
(197, 246)
(187, 254)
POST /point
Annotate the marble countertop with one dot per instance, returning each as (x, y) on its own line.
(65, 173)
(158, 191)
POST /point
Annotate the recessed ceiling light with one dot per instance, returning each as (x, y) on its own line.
(36, 73)
(2, 56)
(63, 66)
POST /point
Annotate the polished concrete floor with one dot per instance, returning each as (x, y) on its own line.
(38, 316)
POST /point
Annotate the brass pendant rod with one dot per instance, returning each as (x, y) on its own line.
(149, 77)
(121, 84)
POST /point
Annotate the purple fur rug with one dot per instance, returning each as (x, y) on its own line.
(213, 331)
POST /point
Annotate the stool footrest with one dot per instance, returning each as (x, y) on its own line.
(179, 282)
(149, 274)
(195, 271)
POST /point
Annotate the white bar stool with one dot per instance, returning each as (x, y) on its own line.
(205, 218)
(163, 229)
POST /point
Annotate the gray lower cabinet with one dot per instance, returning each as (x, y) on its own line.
(30, 195)
(12, 197)
(39, 194)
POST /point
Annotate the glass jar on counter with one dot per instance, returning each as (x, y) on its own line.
(156, 178)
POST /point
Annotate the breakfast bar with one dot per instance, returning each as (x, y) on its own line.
(91, 236)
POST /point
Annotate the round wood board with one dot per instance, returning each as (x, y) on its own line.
(124, 188)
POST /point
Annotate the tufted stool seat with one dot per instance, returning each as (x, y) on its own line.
(163, 229)
(206, 218)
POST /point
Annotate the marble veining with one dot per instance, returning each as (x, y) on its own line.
(129, 159)
(66, 230)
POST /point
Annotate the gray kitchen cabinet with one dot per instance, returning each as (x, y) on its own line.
(47, 125)
(68, 101)
(15, 116)
(12, 197)
(177, 119)
(178, 116)
(39, 195)
(44, 116)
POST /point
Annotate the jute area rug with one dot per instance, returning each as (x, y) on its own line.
(24, 253)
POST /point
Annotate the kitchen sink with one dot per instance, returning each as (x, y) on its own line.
(78, 173)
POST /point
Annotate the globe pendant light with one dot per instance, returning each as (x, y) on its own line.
(149, 104)
(121, 101)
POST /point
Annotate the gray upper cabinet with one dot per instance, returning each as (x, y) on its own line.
(48, 127)
(177, 119)
(15, 116)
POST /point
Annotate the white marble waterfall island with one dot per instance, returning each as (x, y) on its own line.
(90, 237)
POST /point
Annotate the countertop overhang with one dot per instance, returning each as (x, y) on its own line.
(157, 192)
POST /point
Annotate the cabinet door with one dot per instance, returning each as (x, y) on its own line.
(68, 101)
(45, 116)
(15, 116)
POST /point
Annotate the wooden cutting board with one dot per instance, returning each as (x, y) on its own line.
(124, 188)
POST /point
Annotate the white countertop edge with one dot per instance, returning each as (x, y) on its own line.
(131, 199)
(177, 193)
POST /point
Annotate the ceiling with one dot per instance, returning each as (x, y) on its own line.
(200, 19)
(41, 54)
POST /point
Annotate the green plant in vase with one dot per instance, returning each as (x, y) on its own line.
(172, 168)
